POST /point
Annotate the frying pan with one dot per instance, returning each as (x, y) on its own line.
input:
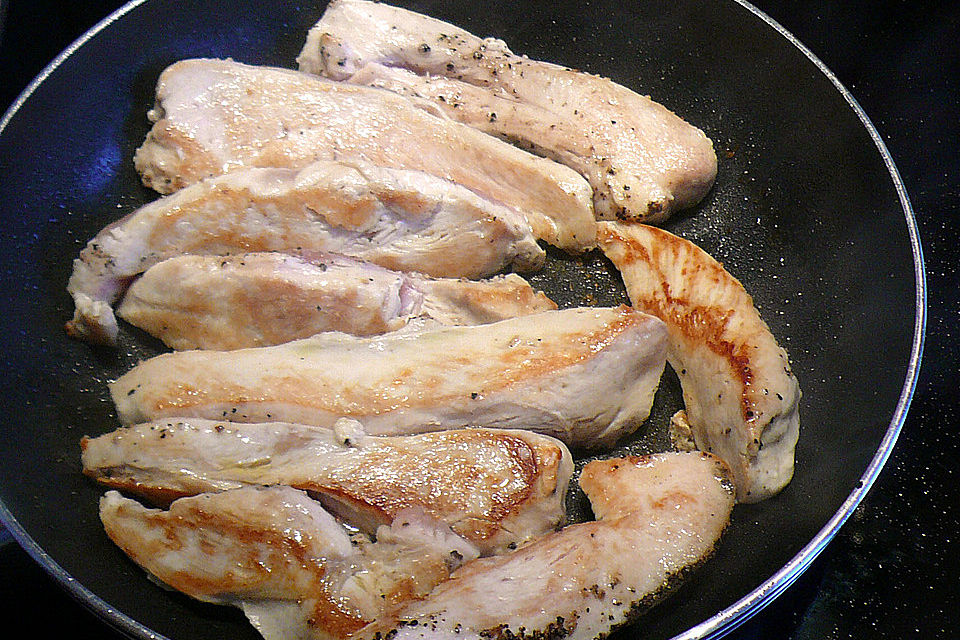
(808, 212)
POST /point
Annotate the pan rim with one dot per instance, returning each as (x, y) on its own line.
(721, 623)
(741, 611)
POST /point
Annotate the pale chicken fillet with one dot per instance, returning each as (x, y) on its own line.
(261, 299)
(280, 557)
(214, 116)
(461, 302)
(643, 161)
(585, 376)
(496, 488)
(399, 219)
(658, 516)
(740, 394)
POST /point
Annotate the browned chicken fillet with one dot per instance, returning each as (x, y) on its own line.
(276, 554)
(496, 488)
(742, 399)
(586, 376)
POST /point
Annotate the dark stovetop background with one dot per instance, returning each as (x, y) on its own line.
(892, 570)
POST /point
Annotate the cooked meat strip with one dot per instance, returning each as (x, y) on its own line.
(214, 116)
(462, 301)
(496, 488)
(404, 220)
(586, 376)
(278, 555)
(261, 299)
(658, 516)
(741, 396)
(643, 161)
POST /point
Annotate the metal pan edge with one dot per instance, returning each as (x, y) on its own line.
(739, 613)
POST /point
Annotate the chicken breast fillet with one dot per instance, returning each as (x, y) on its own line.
(404, 220)
(741, 397)
(657, 515)
(585, 376)
(642, 160)
(214, 116)
(280, 557)
(262, 299)
(496, 488)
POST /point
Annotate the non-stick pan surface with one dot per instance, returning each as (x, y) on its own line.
(808, 212)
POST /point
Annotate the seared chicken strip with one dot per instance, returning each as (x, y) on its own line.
(657, 516)
(278, 555)
(261, 299)
(214, 116)
(404, 220)
(741, 397)
(643, 161)
(585, 376)
(496, 488)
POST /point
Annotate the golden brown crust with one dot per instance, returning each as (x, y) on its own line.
(703, 324)
(526, 468)
(494, 487)
(740, 394)
(165, 138)
(521, 363)
(195, 520)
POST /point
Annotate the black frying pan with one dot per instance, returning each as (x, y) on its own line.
(808, 212)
